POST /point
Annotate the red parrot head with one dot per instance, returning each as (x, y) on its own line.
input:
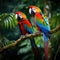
(34, 9)
(20, 16)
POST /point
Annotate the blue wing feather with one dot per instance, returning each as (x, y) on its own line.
(45, 30)
(29, 30)
(46, 20)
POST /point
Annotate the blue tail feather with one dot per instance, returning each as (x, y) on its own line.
(46, 35)
(45, 38)
(45, 31)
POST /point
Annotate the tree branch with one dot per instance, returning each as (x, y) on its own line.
(55, 29)
(27, 36)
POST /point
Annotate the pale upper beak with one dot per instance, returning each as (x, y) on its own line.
(30, 10)
(16, 16)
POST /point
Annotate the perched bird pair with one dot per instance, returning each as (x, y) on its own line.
(41, 23)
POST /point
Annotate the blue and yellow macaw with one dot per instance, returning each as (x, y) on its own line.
(42, 23)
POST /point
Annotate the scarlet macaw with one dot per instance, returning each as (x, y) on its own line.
(42, 24)
(26, 27)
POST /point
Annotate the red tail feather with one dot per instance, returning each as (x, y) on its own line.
(46, 50)
(36, 53)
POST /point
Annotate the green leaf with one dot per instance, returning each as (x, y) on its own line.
(8, 21)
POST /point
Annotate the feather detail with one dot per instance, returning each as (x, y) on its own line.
(28, 26)
(22, 29)
(43, 24)
(46, 50)
(35, 49)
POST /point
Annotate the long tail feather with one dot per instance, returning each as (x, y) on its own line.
(46, 50)
(35, 49)
(46, 38)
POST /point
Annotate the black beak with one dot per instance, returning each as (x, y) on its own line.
(19, 18)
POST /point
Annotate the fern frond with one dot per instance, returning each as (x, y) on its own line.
(7, 21)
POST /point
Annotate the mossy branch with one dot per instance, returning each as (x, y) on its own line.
(28, 36)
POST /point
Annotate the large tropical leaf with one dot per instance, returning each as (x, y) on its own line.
(7, 21)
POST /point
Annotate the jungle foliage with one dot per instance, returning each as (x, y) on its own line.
(9, 29)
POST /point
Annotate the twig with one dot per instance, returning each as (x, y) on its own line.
(55, 29)
(27, 36)
(19, 40)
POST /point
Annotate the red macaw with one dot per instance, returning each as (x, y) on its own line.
(42, 23)
(26, 27)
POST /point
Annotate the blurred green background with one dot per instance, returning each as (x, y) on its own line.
(9, 30)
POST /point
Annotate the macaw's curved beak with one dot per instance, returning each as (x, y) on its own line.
(29, 10)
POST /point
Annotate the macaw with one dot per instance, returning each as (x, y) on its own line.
(26, 27)
(42, 25)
